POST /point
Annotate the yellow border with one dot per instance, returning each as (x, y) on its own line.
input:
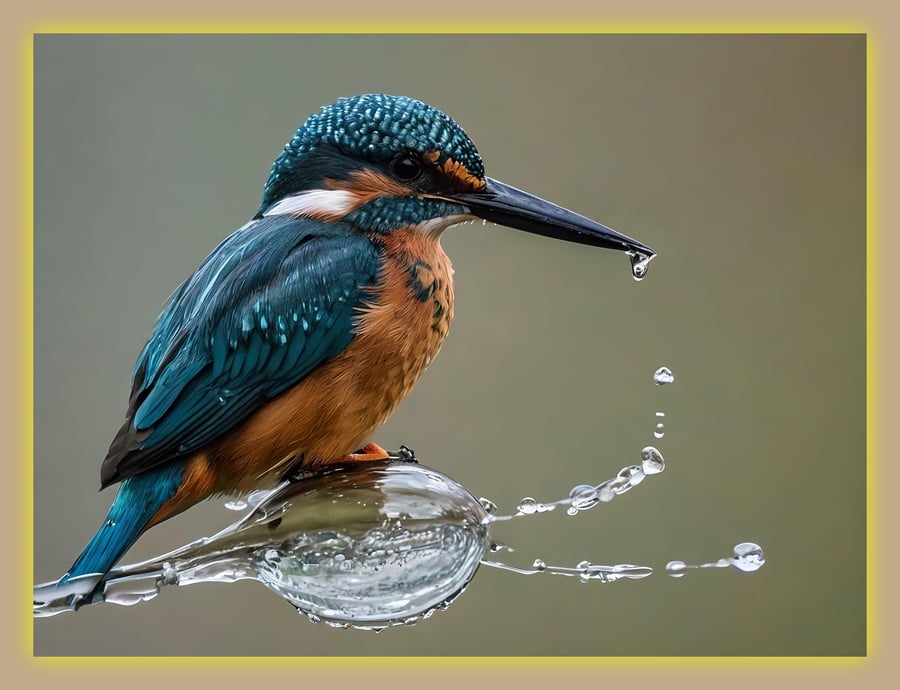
(873, 332)
(25, 322)
(873, 339)
(245, 28)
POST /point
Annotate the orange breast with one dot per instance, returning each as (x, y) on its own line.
(332, 411)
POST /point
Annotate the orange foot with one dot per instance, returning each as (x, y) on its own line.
(371, 452)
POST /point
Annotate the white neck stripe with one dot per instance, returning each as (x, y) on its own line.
(321, 202)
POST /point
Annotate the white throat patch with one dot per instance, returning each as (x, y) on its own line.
(435, 226)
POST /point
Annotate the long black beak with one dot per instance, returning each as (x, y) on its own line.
(505, 205)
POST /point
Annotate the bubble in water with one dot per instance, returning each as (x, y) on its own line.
(527, 506)
(639, 263)
(236, 504)
(748, 557)
(662, 376)
(652, 461)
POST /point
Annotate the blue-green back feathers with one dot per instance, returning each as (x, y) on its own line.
(272, 302)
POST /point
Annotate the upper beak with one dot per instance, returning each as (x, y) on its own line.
(505, 205)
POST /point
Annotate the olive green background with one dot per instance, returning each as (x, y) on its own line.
(740, 159)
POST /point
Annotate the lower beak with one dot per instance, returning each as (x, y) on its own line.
(505, 205)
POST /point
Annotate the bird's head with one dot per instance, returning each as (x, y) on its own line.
(382, 163)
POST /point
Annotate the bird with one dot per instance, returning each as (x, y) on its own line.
(302, 331)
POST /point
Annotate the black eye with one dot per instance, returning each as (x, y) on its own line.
(406, 168)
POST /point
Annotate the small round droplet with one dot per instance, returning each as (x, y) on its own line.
(662, 376)
(489, 506)
(539, 564)
(660, 430)
(652, 461)
(527, 506)
(236, 504)
(639, 263)
(748, 557)
(676, 568)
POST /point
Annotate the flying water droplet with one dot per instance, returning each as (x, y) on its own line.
(662, 376)
(489, 506)
(236, 504)
(527, 506)
(583, 496)
(660, 430)
(676, 568)
(633, 474)
(652, 461)
(748, 557)
(639, 263)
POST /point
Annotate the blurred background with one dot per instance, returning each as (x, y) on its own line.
(739, 159)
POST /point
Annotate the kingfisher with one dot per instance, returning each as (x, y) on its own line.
(302, 331)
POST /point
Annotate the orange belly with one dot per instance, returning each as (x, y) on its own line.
(331, 412)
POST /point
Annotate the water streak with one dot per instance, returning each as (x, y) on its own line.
(748, 557)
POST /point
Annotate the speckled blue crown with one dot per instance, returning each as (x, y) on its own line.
(375, 127)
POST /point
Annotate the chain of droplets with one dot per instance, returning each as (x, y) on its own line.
(586, 496)
(748, 557)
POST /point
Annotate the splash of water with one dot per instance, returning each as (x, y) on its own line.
(373, 546)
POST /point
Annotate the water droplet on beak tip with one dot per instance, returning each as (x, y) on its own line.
(639, 264)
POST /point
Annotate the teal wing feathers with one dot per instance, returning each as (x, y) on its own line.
(271, 303)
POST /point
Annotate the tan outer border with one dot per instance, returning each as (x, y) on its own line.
(874, 18)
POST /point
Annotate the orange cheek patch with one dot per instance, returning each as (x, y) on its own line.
(456, 171)
(368, 184)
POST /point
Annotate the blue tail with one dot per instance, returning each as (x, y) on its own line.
(138, 500)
